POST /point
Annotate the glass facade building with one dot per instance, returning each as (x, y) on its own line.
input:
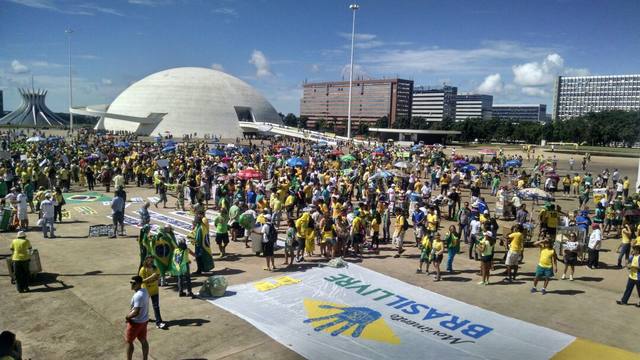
(579, 95)
(473, 106)
(434, 103)
(520, 112)
(371, 100)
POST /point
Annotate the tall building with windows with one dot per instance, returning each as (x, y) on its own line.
(473, 106)
(434, 103)
(326, 103)
(520, 112)
(579, 95)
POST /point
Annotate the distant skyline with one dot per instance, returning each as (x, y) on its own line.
(512, 50)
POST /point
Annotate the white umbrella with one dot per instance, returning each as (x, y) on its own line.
(535, 194)
(231, 146)
(401, 164)
(35, 139)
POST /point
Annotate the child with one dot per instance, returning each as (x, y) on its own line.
(425, 253)
(547, 264)
(290, 242)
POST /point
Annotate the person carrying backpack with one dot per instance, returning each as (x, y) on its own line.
(269, 238)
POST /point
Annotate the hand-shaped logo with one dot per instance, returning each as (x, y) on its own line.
(358, 317)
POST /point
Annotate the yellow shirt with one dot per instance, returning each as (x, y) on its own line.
(20, 249)
(438, 246)
(290, 200)
(426, 242)
(151, 286)
(546, 258)
(633, 271)
(625, 238)
(516, 242)
(625, 184)
(432, 222)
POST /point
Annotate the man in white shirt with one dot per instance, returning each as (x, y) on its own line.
(46, 214)
(475, 230)
(595, 242)
(22, 207)
(137, 318)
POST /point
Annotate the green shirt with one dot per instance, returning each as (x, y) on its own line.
(221, 223)
(234, 212)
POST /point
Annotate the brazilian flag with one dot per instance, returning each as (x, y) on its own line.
(163, 245)
(144, 242)
(203, 244)
(179, 261)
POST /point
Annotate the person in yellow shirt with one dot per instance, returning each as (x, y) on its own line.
(401, 227)
(425, 254)
(547, 265)
(150, 276)
(20, 258)
(633, 280)
(576, 184)
(516, 247)
(432, 222)
(625, 245)
(438, 251)
(625, 187)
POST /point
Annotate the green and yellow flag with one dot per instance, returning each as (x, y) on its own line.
(203, 244)
(164, 242)
(179, 261)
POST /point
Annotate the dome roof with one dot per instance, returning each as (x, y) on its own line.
(193, 100)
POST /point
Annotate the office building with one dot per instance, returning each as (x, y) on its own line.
(473, 106)
(434, 103)
(520, 112)
(579, 95)
(327, 102)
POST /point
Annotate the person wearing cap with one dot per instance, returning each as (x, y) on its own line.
(595, 242)
(137, 318)
(46, 214)
(20, 257)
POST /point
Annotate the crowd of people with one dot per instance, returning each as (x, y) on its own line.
(310, 200)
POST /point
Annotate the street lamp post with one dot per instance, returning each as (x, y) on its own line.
(353, 7)
(69, 31)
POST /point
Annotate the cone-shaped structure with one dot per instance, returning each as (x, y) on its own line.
(33, 112)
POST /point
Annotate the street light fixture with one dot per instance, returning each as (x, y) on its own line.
(353, 8)
(69, 31)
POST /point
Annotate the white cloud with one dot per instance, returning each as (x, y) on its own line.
(358, 36)
(150, 2)
(216, 66)
(358, 72)
(107, 82)
(492, 84)
(536, 73)
(45, 64)
(492, 55)
(87, 9)
(259, 60)
(315, 68)
(577, 72)
(18, 67)
(534, 91)
(87, 56)
(225, 11)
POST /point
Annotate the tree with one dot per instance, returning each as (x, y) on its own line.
(290, 120)
(302, 121)
(382, 122)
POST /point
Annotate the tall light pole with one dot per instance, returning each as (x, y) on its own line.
(69, 31)
(353, 8)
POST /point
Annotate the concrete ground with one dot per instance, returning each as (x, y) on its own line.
(76, 309)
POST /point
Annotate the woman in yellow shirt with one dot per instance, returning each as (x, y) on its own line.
(547, 264)
(632, 281)
(438, 251)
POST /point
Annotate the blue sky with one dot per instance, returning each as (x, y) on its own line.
(511, 49)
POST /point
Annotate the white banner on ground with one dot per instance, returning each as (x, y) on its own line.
(354, 312)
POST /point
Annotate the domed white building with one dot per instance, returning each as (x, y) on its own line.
(186, 100)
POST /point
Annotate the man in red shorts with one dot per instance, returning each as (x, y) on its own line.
(137, 318)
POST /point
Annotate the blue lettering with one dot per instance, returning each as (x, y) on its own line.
(347, 282)
(387, 294)
(454, 323)
(414, 309)
(400, 299)
(405, 304)
(477, 331)
(434, 314)
(360, 288)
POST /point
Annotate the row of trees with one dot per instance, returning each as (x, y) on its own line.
(621, 128)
